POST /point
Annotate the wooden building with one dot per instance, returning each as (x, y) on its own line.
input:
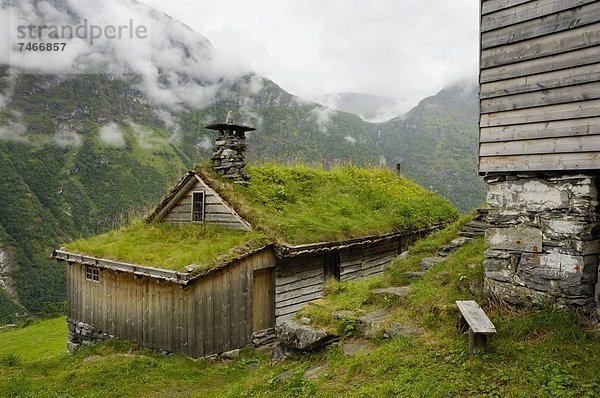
(540, 85)
(539, 148)
(221, 307)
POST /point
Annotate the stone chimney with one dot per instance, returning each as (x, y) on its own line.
(229, 158)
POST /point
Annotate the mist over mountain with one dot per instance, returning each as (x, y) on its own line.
(370, 107)
(83, 150)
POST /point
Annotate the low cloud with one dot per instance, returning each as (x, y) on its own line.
(112, 135)
(13, 131)
(146, 138)
(350, 140)
(66, 139)
(179, 68)
(205, 144)
(322, 116)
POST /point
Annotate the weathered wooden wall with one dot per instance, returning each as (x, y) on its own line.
(216, 210)
(363, 262)
(210, 316)
(298, 281)
(540, 85)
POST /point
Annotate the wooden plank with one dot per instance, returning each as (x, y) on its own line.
(284, 280)
(526, 12)
(315, 280)
(573, 76)
(351, 269)
(490, 6)
(304, 267)
(300, 299)
(476, 317)
(218, 218)
(546, 162)
(198, 319)
(374, 270)
(350, 276)
(380, 248)
(209, 324)
(281, 297)
(216, 209)
(582, 37)
(574, 110)
(589, 143)
(290, 309)
(226, 298)
(567, 60)
(550, 24)
(554, 96)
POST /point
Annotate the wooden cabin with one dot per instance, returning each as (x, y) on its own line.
(202, 310)
(539, 148)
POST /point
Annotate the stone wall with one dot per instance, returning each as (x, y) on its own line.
(81, 333)
(544, 240)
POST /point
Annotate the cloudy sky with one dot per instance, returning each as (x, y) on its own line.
(406, 49)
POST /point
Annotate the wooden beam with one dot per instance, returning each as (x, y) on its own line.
(585, 36)
(553, 129)
(543, 81)
(535, 99)
(566, 60)
(545, 162)
(588, 143)
(530, 10)
(489, 6)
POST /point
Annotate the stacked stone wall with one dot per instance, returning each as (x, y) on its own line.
(81, 333)
(544, 240)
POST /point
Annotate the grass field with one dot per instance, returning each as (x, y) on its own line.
(541, 353)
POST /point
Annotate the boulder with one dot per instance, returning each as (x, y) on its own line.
(302, 337)
(399, 330)
(372, 324)
(391, 292)
(412, 275)
(429, 262)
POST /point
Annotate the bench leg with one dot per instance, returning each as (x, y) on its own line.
(477, 342)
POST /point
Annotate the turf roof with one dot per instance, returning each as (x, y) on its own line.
(285, 204)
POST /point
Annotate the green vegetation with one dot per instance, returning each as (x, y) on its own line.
(298, 204)
(167, 246)
(292, 204)
(543, 353)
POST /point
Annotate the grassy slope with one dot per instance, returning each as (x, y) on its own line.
(165, 246)
(542, 354)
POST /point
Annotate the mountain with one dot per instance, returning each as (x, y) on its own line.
(369, 107)
(437, 144)
(86, 149)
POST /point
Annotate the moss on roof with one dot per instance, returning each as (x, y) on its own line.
(169, 247)
(297, 204)
(286, 204)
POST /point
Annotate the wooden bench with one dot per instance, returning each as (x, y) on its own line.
(479, 325)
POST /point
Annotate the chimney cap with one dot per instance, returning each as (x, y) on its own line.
(228, 126)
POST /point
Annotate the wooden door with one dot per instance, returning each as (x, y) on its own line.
(263, 299)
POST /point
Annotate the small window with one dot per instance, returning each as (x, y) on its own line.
(92, 274)
(198, 206)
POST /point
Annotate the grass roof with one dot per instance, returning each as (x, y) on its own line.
(297, 204)
(287, 204)
(169, 247)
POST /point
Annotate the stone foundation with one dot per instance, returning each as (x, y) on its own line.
(81, 333)
(544, 239)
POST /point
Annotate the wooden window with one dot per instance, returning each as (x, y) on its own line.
(92, 274)
(198, 206)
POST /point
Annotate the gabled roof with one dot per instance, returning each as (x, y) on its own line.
(191, 180)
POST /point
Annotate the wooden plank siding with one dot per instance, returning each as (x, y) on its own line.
(539, 85)
(216, 210)
(298, 281)
(363, 262)
(210, 316)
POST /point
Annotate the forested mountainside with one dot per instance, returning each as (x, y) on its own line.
(80, 153)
